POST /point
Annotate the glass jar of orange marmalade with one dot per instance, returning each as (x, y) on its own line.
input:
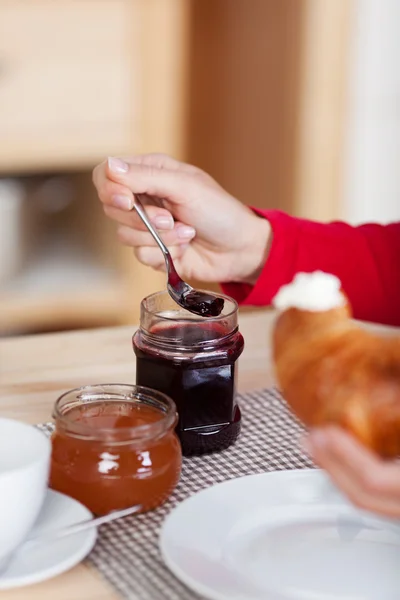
(114, 446)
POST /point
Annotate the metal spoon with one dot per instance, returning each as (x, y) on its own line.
(199, 303)
(56, 534)
(50, 536)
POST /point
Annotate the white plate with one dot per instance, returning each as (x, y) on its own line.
(279, 536)
(37, 562)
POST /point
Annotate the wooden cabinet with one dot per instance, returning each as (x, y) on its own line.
(67, 72)
(269, 87)
(81, 80)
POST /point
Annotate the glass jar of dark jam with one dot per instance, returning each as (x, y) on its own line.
(192, 360)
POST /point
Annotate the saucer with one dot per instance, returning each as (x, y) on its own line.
(284, 535)
(33, 563)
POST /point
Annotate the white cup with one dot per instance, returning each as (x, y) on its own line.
(24, 468)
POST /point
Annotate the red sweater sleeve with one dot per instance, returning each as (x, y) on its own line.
(365, 258)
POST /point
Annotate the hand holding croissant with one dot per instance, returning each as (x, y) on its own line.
(344, 383)
(332, 371)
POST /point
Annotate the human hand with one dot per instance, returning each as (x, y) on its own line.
(368, 481)
(211, 235)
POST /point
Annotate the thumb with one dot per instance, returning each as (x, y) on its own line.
(163, 183)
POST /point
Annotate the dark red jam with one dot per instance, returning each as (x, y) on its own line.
(195, 364)
(203, 304)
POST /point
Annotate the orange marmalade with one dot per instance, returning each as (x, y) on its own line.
(114, 446)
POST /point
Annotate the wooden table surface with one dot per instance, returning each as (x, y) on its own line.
(35, 370)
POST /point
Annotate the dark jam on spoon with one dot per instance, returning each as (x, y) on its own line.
(203, 304)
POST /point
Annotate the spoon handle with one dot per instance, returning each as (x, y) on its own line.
(138, 206)
(82, 525)
(175, 285)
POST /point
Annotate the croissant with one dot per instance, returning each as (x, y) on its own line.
(332, 370)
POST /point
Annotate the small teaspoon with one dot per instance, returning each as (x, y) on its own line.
(199, 303)
(52, 535)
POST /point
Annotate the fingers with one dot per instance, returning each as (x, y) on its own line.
(154, 161)
(180, 234)
(134, 233)
(110, 192)
(160, 161)
(160, 217)
(153, 257)
(157, 160)
(368, 481)
(117, 179)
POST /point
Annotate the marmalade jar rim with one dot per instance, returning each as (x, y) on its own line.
(115, 392)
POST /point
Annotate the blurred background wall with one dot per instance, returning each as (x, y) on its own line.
(372, 146)
(291, 104)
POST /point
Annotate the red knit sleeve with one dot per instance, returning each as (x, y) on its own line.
(365, 258)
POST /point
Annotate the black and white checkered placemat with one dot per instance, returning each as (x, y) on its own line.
(127, 552)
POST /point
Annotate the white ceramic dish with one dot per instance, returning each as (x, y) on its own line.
(24, 466)
(36, 562)
(285, 535)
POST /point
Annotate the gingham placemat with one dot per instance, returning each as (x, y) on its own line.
(127, 552)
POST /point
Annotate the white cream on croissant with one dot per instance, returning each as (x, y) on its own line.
(310, 291)
(331, 370)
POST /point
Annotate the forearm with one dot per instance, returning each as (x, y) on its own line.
(364, 258)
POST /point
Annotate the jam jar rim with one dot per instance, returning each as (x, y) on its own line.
(125, 434)
(193, 318)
